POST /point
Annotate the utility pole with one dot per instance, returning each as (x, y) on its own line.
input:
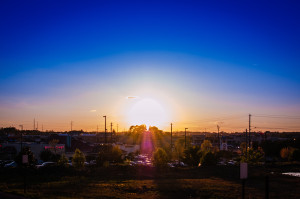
(21, 136)
(34, 124)
(249, 130)
(218, 136)
(111, 131)
(246, 143)
(185, 137)
(105, 129)
(171, 136)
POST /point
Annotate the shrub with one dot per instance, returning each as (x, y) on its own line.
(160, 158)
(208, 159)
(78, 159)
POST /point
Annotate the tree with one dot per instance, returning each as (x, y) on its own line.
(63, 160)
(46, 155)
(160, 158)
(287, 153)
(116, 154)
(135, 132)
(253, 156)
(25, 151)
(296, 155)
(208, 159)
(78, 159)
(179, 148)
(206, 146)
(154, 129)
(192, 156)
(104, 155)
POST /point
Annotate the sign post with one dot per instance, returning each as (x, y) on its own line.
(25, 161)
(243, 176)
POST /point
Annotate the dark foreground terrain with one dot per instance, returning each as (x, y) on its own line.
(148, 182)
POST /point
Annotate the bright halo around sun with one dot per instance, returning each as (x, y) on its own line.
(147, 111)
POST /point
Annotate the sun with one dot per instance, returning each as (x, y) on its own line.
(147, 111)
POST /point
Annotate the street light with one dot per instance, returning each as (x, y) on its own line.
(21, 125)
(105, 129)
(185, 137)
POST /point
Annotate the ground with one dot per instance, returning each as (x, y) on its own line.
(146, 182)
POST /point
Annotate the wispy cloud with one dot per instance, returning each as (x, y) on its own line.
(132, 97)
(93, 111)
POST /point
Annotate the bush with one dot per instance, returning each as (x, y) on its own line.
(296, 155)
(25, 151)
(46, 155)
(160, 158)
(116, 154)
(208, 159)
(192, 156)
(63, 160)
(78, 159)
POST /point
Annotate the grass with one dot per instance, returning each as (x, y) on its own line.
(143, 182)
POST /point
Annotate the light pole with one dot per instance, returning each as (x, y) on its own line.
(105, 129)
(171, 137)
(21, 136)
(219, 136)
(185, 137)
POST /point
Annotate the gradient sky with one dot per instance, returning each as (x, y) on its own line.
(204, 62)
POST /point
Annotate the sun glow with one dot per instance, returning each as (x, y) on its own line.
(149, 112)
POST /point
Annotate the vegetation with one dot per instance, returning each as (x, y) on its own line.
(25, 151)
(208, 159)
(78, 159)
(63, 160)
(160, 158)
(192, 156)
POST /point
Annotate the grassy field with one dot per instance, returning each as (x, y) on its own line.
(145, 182)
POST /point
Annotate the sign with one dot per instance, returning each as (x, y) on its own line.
(243, 170)
(25, 159)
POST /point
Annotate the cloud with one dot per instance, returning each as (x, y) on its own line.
(92, 111)
(132, 97)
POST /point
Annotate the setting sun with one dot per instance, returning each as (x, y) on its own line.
(147, 111)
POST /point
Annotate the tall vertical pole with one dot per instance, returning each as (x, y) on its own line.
(185, 137)
(21, 136)
(249, 130)
(34, 124)
(111, 131)
(71, 125)
(105, 129)
(246, 143)
(219, 136)
(171, 136)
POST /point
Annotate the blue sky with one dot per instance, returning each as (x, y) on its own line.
(216, 56)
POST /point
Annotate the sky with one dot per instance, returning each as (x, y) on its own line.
(197, 64)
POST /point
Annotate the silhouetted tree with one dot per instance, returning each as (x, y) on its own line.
(160, 158)
(46, 155)
(78, 159)
(206, 146)
(25, 151)
(208, 159)
(63, 160)
(192, 156)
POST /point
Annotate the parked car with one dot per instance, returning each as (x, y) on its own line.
(13, 164)
(46, 164)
